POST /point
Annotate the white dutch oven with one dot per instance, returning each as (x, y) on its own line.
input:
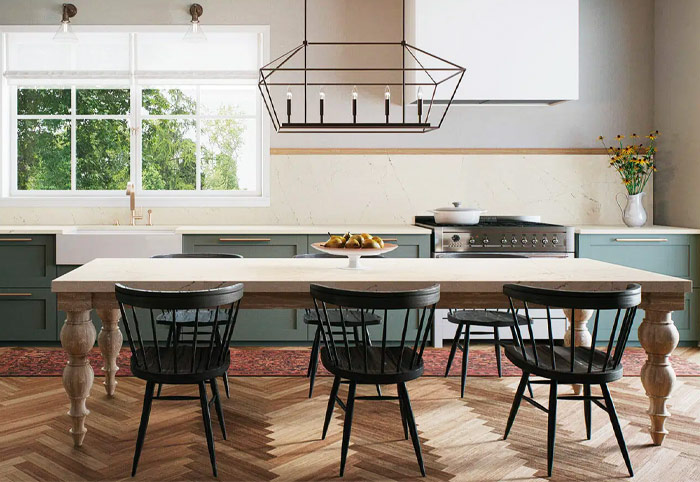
(457, 215)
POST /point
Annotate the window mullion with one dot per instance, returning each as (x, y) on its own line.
(198, 150)
(73, 140)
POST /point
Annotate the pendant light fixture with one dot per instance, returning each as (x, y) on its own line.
(194, 30)
(336, 84)
(65, 31)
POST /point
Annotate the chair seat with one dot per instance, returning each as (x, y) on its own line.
(187, 317)
(184, 375)
(394, 372)
(485, 318)
(562, 359)
(352, 318)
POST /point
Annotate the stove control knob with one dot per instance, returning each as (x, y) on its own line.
(485, 241)
(456, 238)
(555, 240)
(472, 241)
(513, 240)
(524, 241)
(545, 241)
(504, 240)
(534, 241)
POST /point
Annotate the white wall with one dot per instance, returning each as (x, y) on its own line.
(677, 112)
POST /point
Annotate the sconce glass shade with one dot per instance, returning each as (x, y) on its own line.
(65, 33)
(195, 33)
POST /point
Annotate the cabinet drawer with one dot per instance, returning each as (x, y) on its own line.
(248, 246)
(673, 255)
(27, 261)
(27, 315)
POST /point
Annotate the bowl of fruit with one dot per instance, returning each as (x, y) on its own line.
(354, 246)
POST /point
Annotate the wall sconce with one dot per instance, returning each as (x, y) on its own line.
(194, 31)
(65, 31)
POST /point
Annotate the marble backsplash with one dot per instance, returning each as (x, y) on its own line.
(391, 189)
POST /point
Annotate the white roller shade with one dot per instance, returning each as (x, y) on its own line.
(96, 54)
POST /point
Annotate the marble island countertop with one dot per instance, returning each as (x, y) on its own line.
(320, 229)
(644, 230)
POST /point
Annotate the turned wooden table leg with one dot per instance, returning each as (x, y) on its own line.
(659, 337)
(580, 333)
(77, 338)
(110, 342)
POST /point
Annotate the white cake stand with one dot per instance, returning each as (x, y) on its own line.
(354, 255)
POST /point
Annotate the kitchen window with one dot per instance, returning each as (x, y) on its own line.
(183, 121)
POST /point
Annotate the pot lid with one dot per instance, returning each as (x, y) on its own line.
(457, 207)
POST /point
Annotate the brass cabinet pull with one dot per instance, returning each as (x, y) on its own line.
(241, 240)
(15, 294)
(16, 240)
(641, 240)
(389, 239)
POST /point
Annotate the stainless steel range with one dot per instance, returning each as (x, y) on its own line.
(500, 235)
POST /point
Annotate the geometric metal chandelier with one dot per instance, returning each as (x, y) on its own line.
(298, 93)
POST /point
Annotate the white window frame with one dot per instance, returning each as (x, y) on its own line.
(11, 196)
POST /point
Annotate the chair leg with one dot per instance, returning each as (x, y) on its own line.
(497, 344)
(207, 425)
(551, 426)
(315, 343)
(516, 403)
(313, 362)
(331, 405)
(404, 420)
(347, 425)
(168, 341)
(145, 413)
(587, 405)
(403, 392)
(453, 350)
(217, 405)
(465, 358)
(616, 427)
(226, 387)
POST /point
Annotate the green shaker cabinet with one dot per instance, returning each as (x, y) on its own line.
(673, 255)
(258, 325)
(27, 304)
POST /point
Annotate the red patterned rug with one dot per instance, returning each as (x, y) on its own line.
(268, 362)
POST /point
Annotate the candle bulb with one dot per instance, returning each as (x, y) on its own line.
(387, 102)
(354, 104)
(289, 105)
(321, 101)
(420, 104)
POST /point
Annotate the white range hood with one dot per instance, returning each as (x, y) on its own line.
(515, 51)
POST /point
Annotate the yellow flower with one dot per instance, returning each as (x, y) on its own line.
(634, 136)
(600, 138)
(619, 137)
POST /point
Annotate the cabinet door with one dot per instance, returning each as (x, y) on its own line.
(673, 255)
(269, 326)
(410, 246)
(28, 314)
(27, 261)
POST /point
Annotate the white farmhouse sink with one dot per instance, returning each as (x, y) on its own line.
(82, 244)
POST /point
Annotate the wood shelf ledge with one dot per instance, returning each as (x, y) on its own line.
(293, 151)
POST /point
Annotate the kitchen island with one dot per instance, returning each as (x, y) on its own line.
(284, 283)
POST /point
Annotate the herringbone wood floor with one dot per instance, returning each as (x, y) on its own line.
(274, 433)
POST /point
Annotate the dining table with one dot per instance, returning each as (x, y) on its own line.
(284, 283)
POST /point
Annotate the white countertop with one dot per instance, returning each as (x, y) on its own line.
(320, 229)
(622, 229)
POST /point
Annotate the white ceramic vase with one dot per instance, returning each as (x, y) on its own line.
(633, 214)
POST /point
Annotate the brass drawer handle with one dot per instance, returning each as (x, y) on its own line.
(389, 239)
(15, 294)
(241, 240)
(15, 240)
(641, 240)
